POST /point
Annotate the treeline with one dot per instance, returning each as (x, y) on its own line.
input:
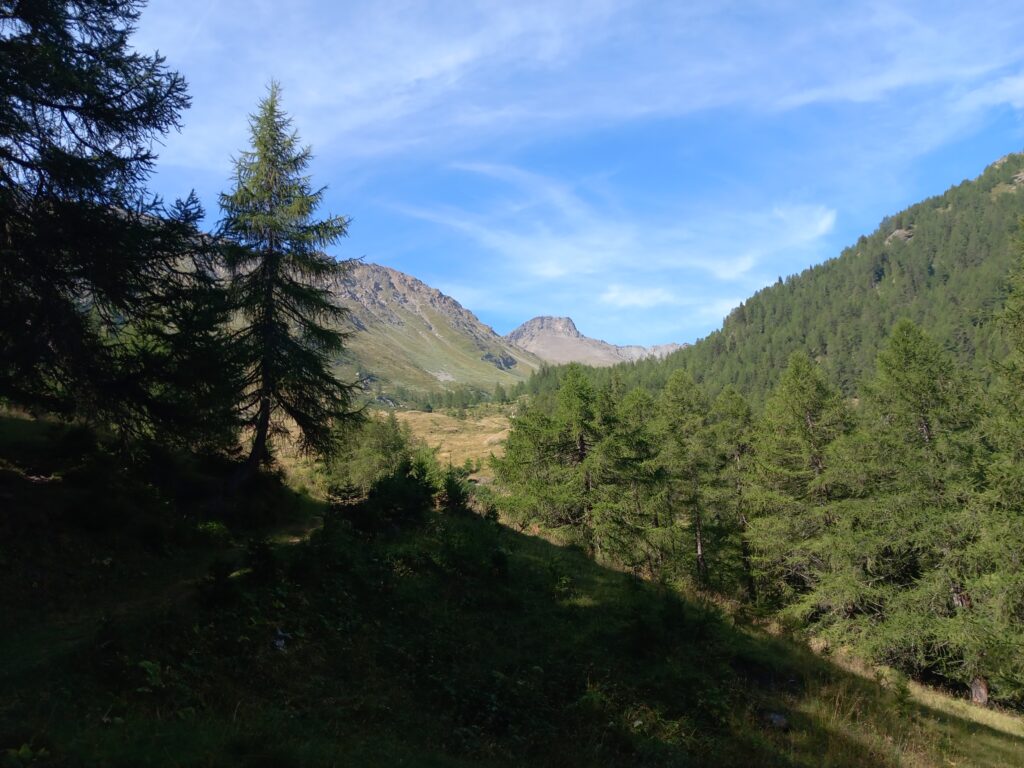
(943, 263)
(891, 522)
(119, 310)
(457, 398)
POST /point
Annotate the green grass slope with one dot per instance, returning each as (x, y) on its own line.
(447, 641)
(407, 335)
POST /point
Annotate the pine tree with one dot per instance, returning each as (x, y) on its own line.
(87, 263)
(686, 460)
(549, 461)
(732, 426)
(281, 280)
(803, 416)
(630, 524)
(897, 581)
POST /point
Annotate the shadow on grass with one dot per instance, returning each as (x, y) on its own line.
(438, 639)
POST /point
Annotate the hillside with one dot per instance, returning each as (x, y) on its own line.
(408, 335)
(431, 638)
(942, 263)
(557, 340)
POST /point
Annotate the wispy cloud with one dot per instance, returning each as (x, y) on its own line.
(378, 78)
(553, 246)
(503, 136)
(552, 230)
(635, 296)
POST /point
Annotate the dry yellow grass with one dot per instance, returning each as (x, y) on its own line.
(481, 433)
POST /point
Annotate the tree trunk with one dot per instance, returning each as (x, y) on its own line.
(746, 560)
(979, 691)
(698, 535)
(248, 470)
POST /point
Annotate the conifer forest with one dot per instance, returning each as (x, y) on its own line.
(232, 536)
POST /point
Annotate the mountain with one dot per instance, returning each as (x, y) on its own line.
(942, 263)
(557, 340)
(407, 335)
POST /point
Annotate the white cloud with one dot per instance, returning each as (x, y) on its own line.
(372, 79)
(633, 296)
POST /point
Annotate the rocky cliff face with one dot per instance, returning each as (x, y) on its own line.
(557, 340)
(376, 294)
(407, 333)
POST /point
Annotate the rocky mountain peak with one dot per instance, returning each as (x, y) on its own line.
(557, 340)
(545, 325)
(408, 334)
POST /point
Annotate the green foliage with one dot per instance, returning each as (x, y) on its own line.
(883, 523)
(281, 282)
(110, 309)
(369, 449)
(804, 415)
(549, 460)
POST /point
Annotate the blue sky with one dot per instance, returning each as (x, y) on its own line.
(639, 166)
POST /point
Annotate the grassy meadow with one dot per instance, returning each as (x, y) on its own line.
(155, 631)
(475, 436)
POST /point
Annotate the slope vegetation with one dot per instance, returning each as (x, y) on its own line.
(408, 335)
(437, 638)
(942, 263)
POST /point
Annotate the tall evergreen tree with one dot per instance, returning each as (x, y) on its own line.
(732, 427)
(282, 282)
(898, 583)
(630, 524)
(549, 461)
(686, 459)
(87, 262)
(803, 416)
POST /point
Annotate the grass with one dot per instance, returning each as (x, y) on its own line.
(452, 641)
(423, 352)
(481, 433)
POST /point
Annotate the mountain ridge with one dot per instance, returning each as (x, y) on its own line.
(943, 263)
(409, 335)
(557, 340)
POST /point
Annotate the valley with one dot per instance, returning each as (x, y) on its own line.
(268, 504)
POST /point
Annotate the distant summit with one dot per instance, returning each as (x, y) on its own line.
(557, 340)
(407, 334)
(546, 325)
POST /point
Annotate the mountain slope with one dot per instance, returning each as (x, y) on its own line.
(557, 340)
(942, 263)
(406, 334)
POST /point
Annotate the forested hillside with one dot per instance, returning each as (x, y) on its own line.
(212, 554)
(942, 263)
(889, 523)
(842, 453)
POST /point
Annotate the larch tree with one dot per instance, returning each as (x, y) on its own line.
(732, 426)
(686, 459)
(788, 501)
(549, 461)
(281, 280)
(100, 285)
(898, 582)
(629, 525)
